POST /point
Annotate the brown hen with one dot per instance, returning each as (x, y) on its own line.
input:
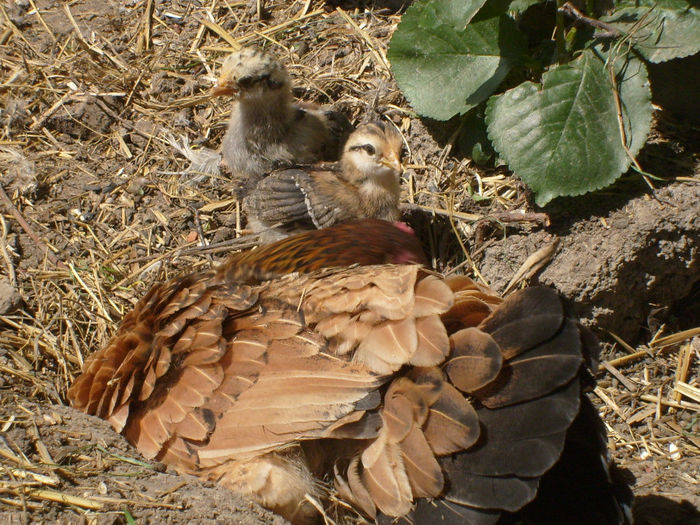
(417, 396)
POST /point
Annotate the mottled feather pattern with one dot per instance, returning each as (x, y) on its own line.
(320, 357)
(341, 246)
(295, 196)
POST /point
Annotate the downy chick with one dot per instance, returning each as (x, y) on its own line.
(267, 130)
(364, 184)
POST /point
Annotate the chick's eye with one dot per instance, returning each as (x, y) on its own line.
(246, 81)
(249, 81)
(369, 149)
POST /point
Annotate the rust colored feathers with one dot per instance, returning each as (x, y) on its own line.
(341, 246)
(392, 383)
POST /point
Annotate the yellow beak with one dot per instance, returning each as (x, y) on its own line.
(391, 161)
(222, 88)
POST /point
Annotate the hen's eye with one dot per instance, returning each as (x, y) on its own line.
(369, 149)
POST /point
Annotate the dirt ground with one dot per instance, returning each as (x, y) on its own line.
(101, 209)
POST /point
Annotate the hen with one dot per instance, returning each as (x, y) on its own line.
(365, 184)
(417, 396)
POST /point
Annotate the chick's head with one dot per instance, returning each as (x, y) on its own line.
(249, 73)
(373, 151)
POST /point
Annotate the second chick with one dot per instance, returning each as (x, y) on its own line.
(267, 130)
(365, 183)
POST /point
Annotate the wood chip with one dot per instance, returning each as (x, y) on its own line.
(609, 401)
(628, 384)
(641, 415)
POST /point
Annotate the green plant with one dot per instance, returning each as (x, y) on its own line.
(568, 112)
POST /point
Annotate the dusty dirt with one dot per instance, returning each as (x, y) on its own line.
(85, 99)
(103, 468)
(619, 266)
(112, 474)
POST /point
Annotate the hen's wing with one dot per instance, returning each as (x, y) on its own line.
(208, 376)
(196, 317)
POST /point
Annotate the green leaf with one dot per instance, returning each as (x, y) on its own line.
(128, 517)
(563, 137)
(671, 29)
(473, 140)
(678, 5)
(520, 6)
(491, 9)
(445, 69)
(449, 12)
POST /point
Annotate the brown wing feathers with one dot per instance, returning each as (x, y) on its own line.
(438, 388)
(513, 443)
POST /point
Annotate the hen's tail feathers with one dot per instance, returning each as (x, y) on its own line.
(583, 487)
(540, 439)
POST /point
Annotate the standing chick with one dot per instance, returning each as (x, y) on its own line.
(364, 184)
(267, 130)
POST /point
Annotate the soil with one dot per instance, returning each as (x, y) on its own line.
(86, 99)
(617, 267)
(110, 473)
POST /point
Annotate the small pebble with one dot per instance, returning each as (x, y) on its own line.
(674, 452)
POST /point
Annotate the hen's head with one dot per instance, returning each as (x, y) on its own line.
(363, 242)
(249, 73)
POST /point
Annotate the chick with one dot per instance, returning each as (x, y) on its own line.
(267, 130)
(364, 184)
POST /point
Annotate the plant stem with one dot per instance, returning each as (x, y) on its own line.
(610, 31)
(590, 8)
(559, 33)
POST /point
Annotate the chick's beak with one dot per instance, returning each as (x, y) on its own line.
(393, 162)
(222, 88)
